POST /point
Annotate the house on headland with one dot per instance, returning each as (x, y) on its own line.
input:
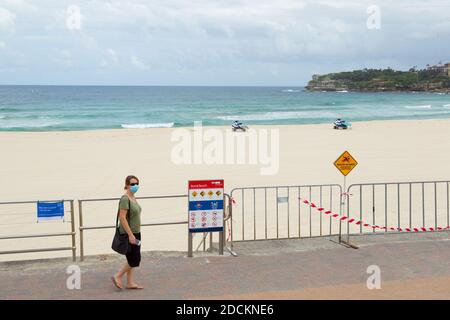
(440, 68)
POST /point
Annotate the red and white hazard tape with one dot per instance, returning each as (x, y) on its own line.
(229, 224)
(367, 225)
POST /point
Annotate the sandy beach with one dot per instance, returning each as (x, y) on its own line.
(93, 164)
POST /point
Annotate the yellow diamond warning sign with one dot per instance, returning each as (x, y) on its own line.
(345, 163)
(194, 193)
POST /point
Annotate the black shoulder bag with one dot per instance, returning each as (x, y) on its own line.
(120, 243)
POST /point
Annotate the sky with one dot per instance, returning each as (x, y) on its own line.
(214, 43)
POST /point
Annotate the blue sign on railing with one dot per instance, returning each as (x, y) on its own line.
(50, 210)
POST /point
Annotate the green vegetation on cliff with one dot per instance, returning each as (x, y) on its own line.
(383, 80)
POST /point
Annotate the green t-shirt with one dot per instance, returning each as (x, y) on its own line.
(135, 214)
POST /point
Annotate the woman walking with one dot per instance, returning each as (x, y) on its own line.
(130, 223)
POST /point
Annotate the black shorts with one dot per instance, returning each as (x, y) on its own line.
(134, 253)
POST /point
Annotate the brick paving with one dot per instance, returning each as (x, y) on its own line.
(410, 269)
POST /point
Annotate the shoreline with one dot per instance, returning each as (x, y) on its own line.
(108, 130)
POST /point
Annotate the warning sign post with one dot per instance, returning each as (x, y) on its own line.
(345, 164)
(206, 210)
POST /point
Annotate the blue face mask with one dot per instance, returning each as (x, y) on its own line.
(134, 188)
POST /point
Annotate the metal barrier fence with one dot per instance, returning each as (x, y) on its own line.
(397, 205)
(275, 212)
(41, 235)
(84, 228)
(182, 211)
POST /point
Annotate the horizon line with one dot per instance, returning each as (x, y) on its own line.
(140, 85)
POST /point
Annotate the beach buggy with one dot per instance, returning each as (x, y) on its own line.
(341, 124)
(237, 125)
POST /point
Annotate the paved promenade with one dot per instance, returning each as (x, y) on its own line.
(412, 267)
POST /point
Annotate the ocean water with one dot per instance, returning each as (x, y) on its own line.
(50, 108)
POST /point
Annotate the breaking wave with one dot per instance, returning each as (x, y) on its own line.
(147, 125)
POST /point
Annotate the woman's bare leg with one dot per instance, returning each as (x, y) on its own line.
(118, 276)
(130, 280)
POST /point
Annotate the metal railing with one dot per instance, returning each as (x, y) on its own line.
(275, 212)
(72, 232)
(84, 228)
(398, 205)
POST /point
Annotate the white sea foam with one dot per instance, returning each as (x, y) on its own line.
(428, 106)
(290, 90)
(27, 124)
(279, 115)
(446, 105)
(2, 117)
(147, 125)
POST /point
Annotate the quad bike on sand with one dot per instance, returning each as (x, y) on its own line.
(238, 126)
(341, 124)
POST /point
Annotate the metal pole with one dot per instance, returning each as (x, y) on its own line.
(423, 205)
(360, 201)
(385, 207)
(277, 209)
(189, 243)
(288, 222)
(342, 209)
(310, 213)
(243, 218)
(80, 212)
(211, 239)
(254, 214)
(231, 221)
(331, 205)
(222, 234)
(435, 205)
(204, 241)
(410, 205)
(72, 225)
(221, 242)
(299, 212)
(265, 212)
(398, 203)
(340, 212)
(347, 205)
(321, 205)
(448, 206)
(373, 205)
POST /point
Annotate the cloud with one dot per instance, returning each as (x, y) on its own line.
(111, 58)
(7, 21)
(138, 63)
(20, 5)
(220, 42)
